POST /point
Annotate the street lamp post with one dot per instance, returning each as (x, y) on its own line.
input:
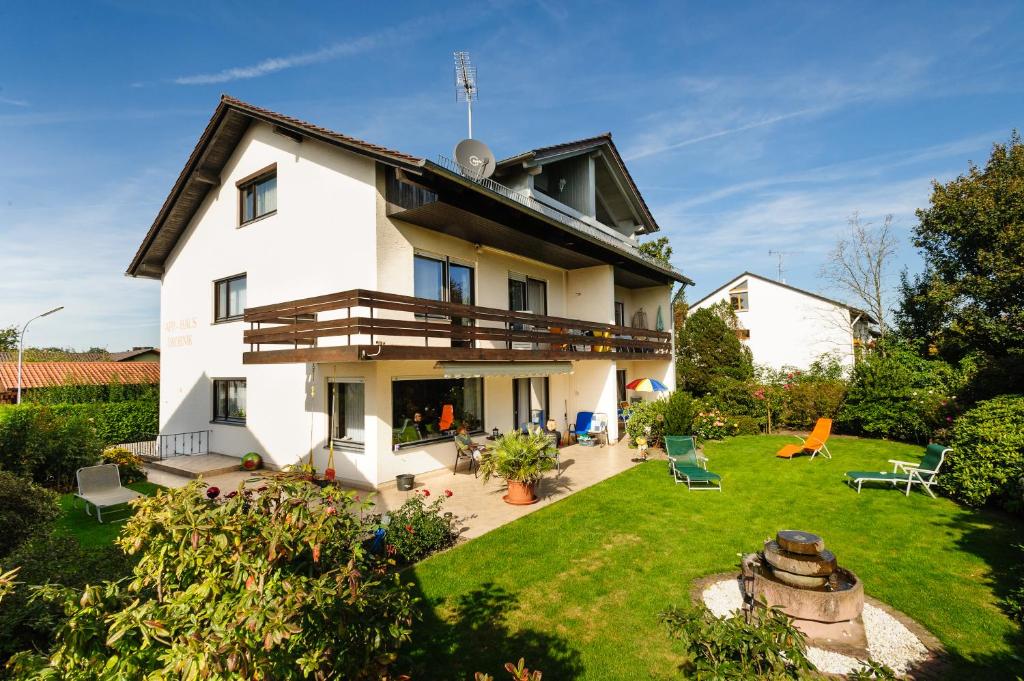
(21, 344)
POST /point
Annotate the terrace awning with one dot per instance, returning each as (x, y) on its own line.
(512, 369)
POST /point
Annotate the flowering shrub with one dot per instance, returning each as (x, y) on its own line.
(128, 464)
(711, 424)
(647, 419)
(418, 529)
(274, 583)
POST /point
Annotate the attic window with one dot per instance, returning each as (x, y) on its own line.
(738, 297)
(257, 195)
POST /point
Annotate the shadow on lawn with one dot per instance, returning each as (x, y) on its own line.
(476, 637)
(992, 536)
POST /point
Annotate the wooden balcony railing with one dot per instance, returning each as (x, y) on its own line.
(419, 328)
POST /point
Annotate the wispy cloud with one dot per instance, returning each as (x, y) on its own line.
(14, 102)
(652, 149)
(345, 48)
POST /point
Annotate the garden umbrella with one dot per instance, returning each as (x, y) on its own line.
(647, 385)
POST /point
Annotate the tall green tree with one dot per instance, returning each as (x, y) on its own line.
(9, 338)
(972, 238)
(659, 250)
(707, 349)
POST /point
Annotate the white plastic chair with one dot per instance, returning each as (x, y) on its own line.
(101, 487)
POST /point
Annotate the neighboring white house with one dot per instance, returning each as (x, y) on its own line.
(316, 288)
(785, 326)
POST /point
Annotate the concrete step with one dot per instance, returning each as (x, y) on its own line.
(197, 465)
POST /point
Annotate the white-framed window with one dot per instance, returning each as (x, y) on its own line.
(346, 413)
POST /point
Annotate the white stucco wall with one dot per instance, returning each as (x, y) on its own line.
(789, 328)
(325, 216)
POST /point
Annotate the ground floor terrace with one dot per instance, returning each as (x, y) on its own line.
(373, 420)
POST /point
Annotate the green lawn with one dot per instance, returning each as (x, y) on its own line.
(575, 588)
(74, 521)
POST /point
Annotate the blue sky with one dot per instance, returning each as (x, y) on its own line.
(748, 127)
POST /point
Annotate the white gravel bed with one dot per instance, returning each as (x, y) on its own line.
(889, 642)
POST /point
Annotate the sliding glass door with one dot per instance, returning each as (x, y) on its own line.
(530, 401)
(443, 279)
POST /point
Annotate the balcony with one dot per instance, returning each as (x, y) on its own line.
(371, 325)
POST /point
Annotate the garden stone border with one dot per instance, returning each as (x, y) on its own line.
(934, 668)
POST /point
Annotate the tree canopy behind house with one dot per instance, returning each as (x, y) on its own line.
(708, 349)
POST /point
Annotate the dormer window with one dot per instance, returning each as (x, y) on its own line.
(738, 297)
(257, 195)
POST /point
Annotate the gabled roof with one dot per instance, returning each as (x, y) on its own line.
(233, 117)
(130, 354)
(227, 125)
(48, 374)
(581, 146)
(837, 303)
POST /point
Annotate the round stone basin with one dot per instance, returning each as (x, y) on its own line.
(820, 605)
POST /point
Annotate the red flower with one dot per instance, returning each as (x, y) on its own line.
(426, 492)
(408, 528)
(448, 492)
(391, 550)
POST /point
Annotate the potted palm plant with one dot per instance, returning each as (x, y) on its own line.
(521, 459)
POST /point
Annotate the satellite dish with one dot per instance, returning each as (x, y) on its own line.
(475, 158)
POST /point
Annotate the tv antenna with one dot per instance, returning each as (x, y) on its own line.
(465, 84)
(781, 255)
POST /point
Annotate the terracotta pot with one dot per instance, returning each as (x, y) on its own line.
(520, 493)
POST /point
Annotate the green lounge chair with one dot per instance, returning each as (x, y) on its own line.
(687, 466)
(925, 473)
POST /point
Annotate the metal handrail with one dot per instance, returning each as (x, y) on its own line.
(184, 444)
(548, 211)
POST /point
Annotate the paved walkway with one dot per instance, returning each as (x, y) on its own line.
(479, 505)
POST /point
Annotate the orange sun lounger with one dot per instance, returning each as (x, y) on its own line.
(813, 445)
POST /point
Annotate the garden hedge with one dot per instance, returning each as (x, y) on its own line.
(987, 461)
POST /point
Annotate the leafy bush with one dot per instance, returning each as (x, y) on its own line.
(987, 461)
(711, 424)
(50, 558)
(417, 529)
(1013, 602)
(679, 410)
(273, 584)
(732, 396)
(25, 509)
(37, 443)
(730, 648)
(900, 395)
(129, 464)
(745, 425)
(117, 422)
(647, 415)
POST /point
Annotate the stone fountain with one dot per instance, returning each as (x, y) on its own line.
(796, 574)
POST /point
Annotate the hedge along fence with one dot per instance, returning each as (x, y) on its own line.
(48, 443)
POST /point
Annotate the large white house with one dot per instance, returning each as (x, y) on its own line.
(785, 326)
(319, 289)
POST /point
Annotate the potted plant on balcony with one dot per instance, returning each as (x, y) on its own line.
(521, 459)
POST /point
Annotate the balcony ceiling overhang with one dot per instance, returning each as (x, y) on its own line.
(470, 212)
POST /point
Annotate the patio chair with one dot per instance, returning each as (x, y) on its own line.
(925, 473)
(688, 466)
(599, 427)
(555, 437)
(815, 443)
(465, 448)
(101, 487)
(582, 424)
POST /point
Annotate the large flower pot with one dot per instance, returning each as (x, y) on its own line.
(520, 493)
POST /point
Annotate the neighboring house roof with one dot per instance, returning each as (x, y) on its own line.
(582, 145)
(229, 123)
(132, 354)
(838, 303)
(48, 374)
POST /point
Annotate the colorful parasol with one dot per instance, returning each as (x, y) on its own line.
(647, 385)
